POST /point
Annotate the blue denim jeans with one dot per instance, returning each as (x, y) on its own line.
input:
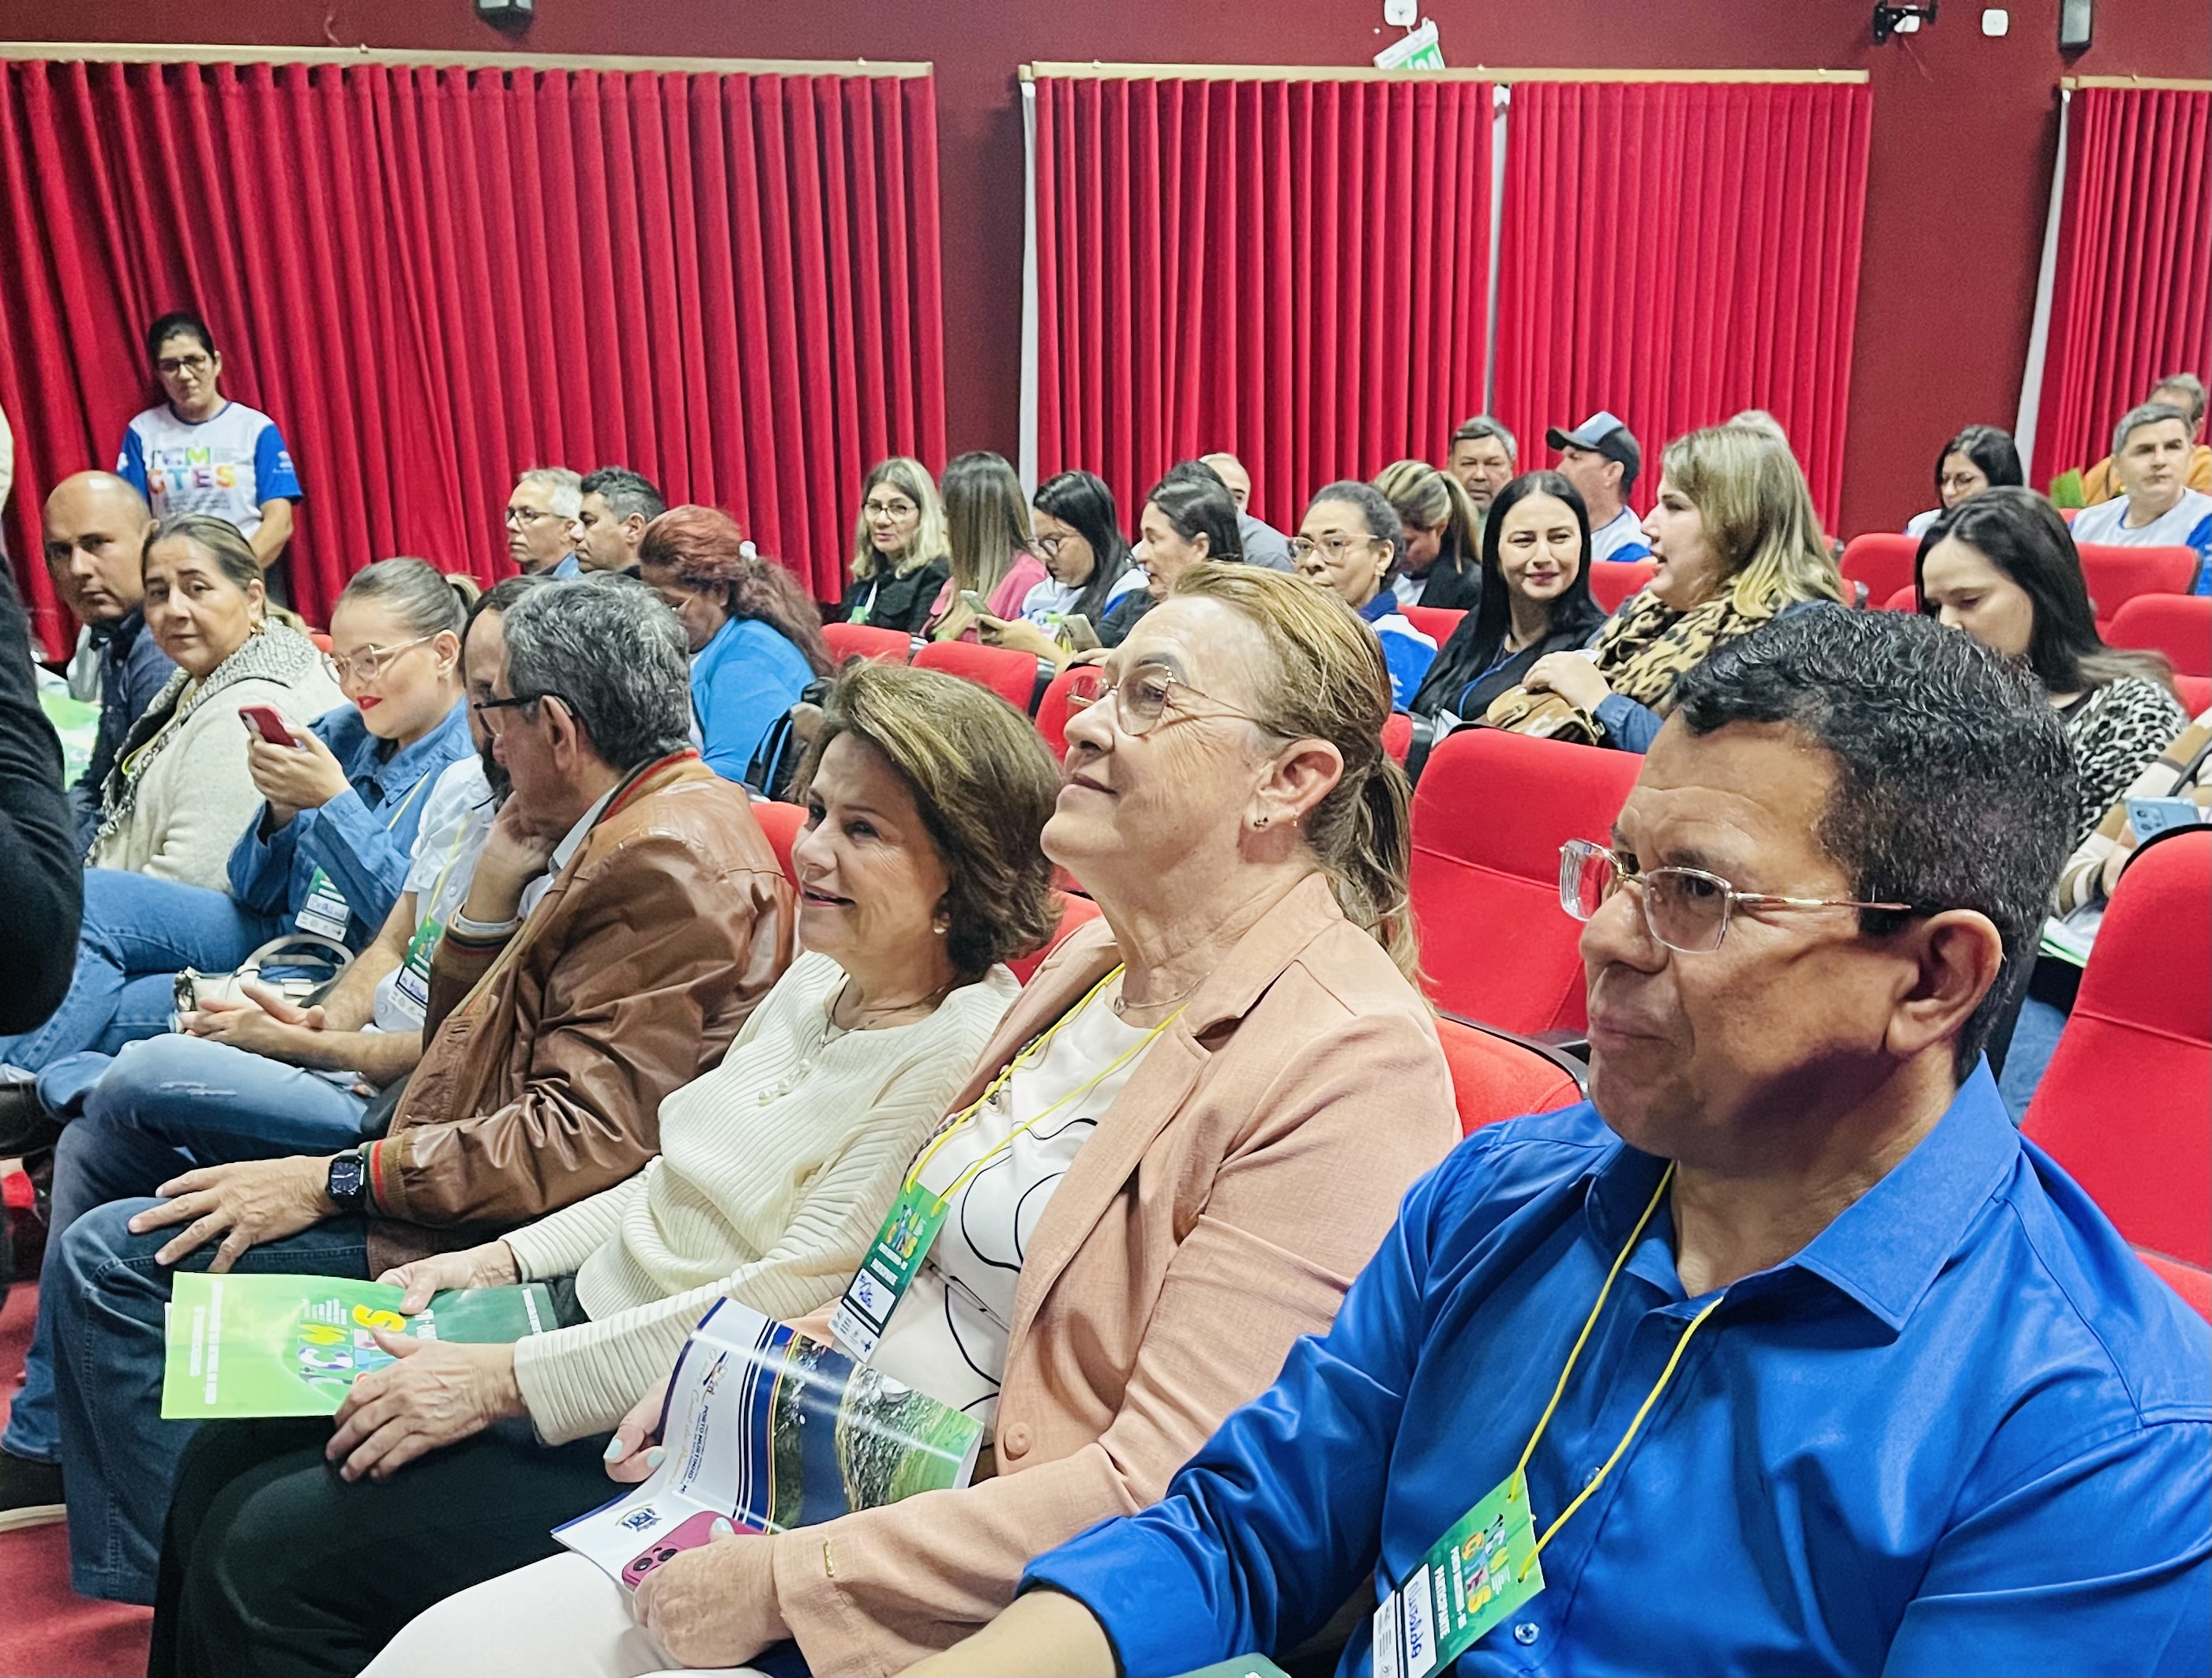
(119, 1457)
(137, 934)
(164, 1106)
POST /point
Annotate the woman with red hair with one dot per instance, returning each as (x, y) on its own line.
(756, 638)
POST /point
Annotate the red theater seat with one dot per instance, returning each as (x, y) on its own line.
(780, 822)
(1437, 623)
(864, 640)
(1012, 674)
(1882, 560)
(1073, 912)
(1052, 708)
(2178, 625)
(1489, 818)
(2122, 1106)
(1906, 598)
(1495, 1078)
(2117, 575)
(2195, 693)
(1612, 580)
(1397, 736)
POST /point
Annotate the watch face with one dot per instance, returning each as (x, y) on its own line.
(346, 1178)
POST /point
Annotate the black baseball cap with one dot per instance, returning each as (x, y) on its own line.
(1604, 433)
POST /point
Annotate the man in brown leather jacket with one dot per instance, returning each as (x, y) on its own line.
(549, 1042)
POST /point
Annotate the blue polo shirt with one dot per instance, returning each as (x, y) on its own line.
(1964, 1430)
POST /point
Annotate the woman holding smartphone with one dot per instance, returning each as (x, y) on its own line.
(212, 839)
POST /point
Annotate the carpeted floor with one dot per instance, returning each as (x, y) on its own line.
(46, 1630)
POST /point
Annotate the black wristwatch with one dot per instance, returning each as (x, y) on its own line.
(348, 1181)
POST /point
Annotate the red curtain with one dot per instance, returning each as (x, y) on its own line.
(1293, 271)
(1677, 252)
(2131, 298)
(433, 278)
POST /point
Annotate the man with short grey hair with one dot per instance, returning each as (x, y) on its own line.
(541, 513)
(1484, 458)
(617, 505)
(2184, 390)
(2156, 508)
(549, 1040)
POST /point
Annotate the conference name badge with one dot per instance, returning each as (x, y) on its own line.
(1476, 1574)
(325, 911)
(412, 982)
(895, 1257)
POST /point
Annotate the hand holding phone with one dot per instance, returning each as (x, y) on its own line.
(974, 603)
(266, 721)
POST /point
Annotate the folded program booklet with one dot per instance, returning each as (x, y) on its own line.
(290, 1346)
(768, 1430)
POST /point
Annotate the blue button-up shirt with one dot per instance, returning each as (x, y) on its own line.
(1964, 1430)
(364, 838)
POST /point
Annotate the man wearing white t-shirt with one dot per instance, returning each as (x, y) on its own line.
(1601, 458)
(201, 453)
(2155, 508)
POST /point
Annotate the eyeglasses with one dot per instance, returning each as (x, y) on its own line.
(1143, 697)
(484, 708)
(527, 516)
(1333, 547)
(1685, 909)
(1048, 547)
(172, 366)
(364, 665)
(889, 509)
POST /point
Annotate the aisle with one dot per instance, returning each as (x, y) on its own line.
(46, 1630)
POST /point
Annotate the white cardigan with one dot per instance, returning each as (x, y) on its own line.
(775, 1169)
(194, 796)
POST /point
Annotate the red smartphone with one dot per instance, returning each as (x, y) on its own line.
(688, 1534)
(264, 720)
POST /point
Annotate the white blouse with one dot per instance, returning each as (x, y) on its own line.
(948, 1336)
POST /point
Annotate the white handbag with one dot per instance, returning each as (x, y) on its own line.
(310, 960)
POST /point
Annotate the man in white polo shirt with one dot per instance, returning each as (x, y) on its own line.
(1600, 457)
(2155, 508)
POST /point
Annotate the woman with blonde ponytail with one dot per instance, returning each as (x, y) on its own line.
(1186, 1138)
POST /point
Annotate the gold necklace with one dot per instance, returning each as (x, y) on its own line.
(1122, 1004)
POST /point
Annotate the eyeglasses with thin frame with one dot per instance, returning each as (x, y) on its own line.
(1334, 547)
(173, 367)
(889, 509)
(1686, 909)
(484, 708)
(365, 664)
(526, 516)
(1142, 696)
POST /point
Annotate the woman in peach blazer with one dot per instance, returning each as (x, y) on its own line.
(1228, 805)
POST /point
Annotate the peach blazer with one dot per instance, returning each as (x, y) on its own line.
(1249, 1169)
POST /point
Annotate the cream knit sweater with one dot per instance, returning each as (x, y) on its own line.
(775, 1169)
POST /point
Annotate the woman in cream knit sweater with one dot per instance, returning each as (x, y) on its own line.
(920, 872)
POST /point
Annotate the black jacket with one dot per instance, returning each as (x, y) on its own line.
(39, 854)
(894, 602)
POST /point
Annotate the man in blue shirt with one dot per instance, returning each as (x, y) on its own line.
(1812, 1363)
(94, 533)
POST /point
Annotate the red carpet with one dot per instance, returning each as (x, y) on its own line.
(46, 1630)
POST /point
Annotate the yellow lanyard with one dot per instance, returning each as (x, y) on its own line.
(421, 782)
(1650, 1399)
(1028, 1057)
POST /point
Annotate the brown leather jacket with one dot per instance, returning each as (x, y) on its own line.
(545, 1055)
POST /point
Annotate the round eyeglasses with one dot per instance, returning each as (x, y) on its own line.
(1684, 909)
(1142, 696)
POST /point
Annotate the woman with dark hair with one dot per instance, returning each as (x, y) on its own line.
(1086, 559)
(987, 521)
(196, 451)
(1440, 540)
(1535, 597)
(1348, 545)
(1980, 458)
(756, 640)
(2003, 567)
(1185, 520)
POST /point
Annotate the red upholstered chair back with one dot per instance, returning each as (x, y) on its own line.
(2117, 575)
(1489, 818)
(864, 640)
(2195, 693)
(2123, 1105)
(1906, 598)
(1052, 708)
(1397, 736)
(1882, 560)
(781, 823)
(2187, 1280)
(1010, 675)
(1437, 623)
(1494, 1078)
(1612, 580)
(1073, 912)
(2178, 625)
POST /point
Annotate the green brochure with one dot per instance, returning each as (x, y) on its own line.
(290, 1346)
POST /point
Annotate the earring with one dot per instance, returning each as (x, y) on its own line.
(941, 929)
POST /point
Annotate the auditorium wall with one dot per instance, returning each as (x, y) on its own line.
(1965, 129)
